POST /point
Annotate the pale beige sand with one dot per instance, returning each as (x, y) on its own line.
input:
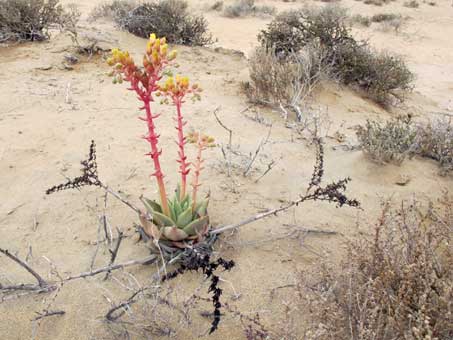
(43, 138)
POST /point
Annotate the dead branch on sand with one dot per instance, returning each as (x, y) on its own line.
(42, 286)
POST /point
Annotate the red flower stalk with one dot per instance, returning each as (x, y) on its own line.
(177, 89)
(203, 141)
(144, 83)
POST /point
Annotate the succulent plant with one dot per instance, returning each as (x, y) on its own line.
(182, 219)
(187, 222)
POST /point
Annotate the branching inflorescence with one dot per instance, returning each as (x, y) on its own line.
(89, 174)
(196, 260)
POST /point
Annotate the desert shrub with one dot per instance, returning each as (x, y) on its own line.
(247, 7)
(31, 20)
(397, 138)
(217, 6)
(435, 140)
(382, 76)
(291, 31)
(396, 283)
(411, 4)
(377, 2)
(387, 142)
(360, 20)
(114, 10)
(169, 18)
(284, 81)
(389, 21)
(374, 2)
(381, 17)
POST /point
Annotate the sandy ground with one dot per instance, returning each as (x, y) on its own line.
(48, 116)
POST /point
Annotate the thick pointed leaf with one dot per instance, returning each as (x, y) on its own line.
(151, 205)
(177, 208)
(150, 228)
(197, 227)
(178, 191)
(161, 220)
(202, 207)
(174, 234)
(184, 218)
(185, 202)
(172, 210)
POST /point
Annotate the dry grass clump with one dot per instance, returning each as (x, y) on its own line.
(396, 283)
(394, 140)
(388, 142)
(165, 18)
(382, 76)
(243, 8)
(284, 81)
(31, 20)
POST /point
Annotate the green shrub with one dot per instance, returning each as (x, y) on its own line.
(31, 20)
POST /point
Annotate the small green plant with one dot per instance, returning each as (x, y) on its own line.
(182, 218)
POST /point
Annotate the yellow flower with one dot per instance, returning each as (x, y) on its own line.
(172, 55)
(163, 49)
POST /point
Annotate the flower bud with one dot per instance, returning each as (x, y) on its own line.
(172, 55)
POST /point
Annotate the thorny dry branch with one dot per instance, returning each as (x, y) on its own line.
(245, 161)
(333, 192)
